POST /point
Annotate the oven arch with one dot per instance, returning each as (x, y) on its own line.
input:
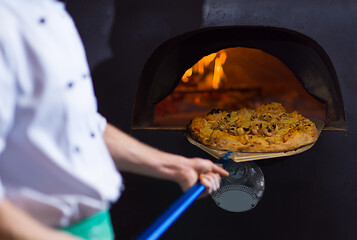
(301, 54)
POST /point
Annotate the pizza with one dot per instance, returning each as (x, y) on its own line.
(268, 128)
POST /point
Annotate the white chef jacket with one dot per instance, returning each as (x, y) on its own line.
(54, 163)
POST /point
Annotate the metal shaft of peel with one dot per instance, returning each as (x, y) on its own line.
(162, 223)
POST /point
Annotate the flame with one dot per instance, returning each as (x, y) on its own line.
(187, 75)
(218, 70)
(223, 56)
(208, 59)
(201, 66)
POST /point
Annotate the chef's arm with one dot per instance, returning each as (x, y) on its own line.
(15, 224)
(133, 156)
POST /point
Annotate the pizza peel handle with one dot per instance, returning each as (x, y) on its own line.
(163, 222)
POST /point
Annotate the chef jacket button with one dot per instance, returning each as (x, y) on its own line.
(92, 134)
(42, 20)
(85, 75)
(77, 149)
(70, 84)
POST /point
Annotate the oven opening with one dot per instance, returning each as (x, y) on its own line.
(235, 67)
(231, 79)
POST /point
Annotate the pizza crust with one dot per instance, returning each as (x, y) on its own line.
(268, 128)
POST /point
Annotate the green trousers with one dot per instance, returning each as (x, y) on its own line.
(96, 227)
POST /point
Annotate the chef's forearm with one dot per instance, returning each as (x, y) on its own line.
(17, 225)
(134, 156)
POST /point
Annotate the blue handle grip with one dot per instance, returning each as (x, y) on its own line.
(157, 228)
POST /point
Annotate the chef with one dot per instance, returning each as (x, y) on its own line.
(59, 158)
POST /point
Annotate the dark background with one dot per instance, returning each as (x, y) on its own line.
(308, 196)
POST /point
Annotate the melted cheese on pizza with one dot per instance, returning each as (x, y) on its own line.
(268, 128)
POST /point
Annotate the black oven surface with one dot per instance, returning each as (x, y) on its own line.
(307, 196)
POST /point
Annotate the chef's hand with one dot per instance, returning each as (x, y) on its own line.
(208, 173)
